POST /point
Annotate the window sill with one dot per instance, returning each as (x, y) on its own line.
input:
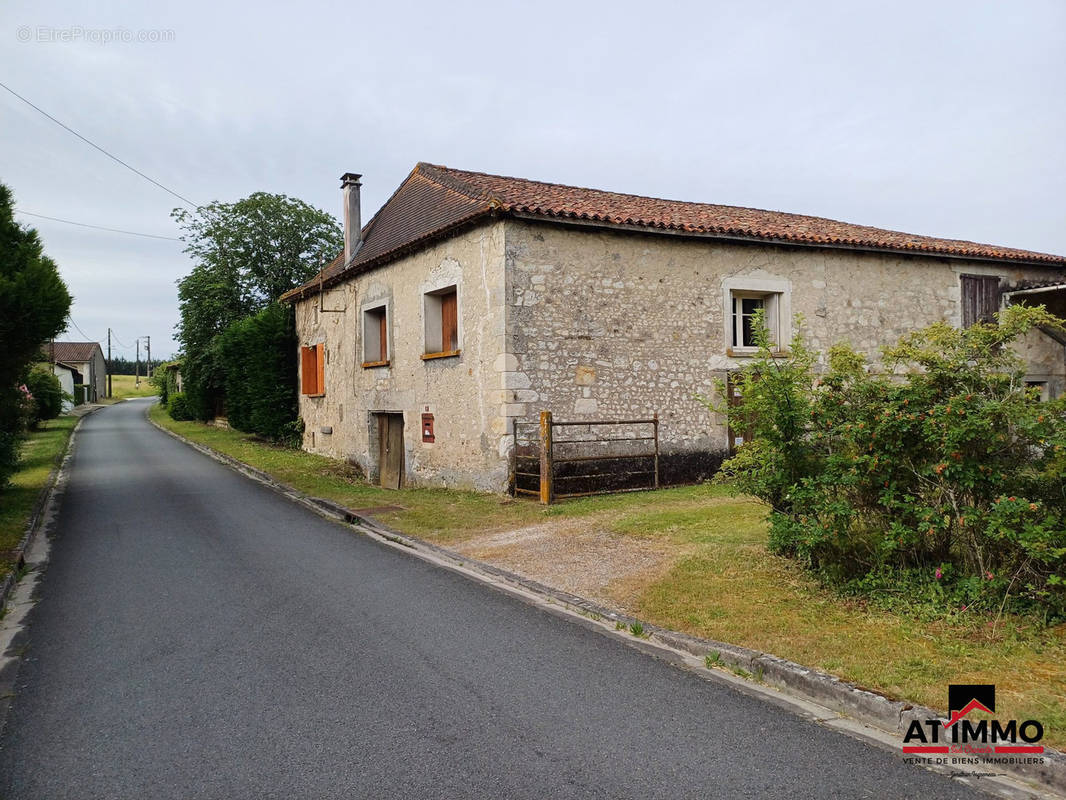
(736, 352)
(320, 394)
(445, 354)
(373, 364)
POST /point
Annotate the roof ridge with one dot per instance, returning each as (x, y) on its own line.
(446, 177)
(555, 184)
(924, 242)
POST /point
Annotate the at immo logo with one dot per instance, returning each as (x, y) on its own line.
(957, 734)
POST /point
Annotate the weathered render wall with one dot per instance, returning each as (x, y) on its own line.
(463, 392)
(614, 325)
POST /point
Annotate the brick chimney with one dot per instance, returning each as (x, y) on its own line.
(353, 224)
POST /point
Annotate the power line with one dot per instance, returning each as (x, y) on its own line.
(115, 337)
(115, 158)
(98, 227)
(79, 330)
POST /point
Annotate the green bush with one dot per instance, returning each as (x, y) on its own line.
(178, 407)
(47, 394)
(940, 482)
(165, 381)
(159, 381)
(259, 357)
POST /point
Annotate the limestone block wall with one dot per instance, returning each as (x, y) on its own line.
(592, 324)
(461, 392)
(613, 325)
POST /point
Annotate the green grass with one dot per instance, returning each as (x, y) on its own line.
(443, 515)
(722, 583)
(124, 386)
(41, 451)
(726, 586)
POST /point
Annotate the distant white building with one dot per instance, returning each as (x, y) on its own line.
(68, 376)
(86, 358)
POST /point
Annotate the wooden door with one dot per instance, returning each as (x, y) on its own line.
(390, 450)
(733, 398)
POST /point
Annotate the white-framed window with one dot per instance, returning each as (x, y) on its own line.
(376, 336)
(743, 299)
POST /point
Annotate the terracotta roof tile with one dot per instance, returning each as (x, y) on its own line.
(435, 200)
(568, 202)
(76, 352)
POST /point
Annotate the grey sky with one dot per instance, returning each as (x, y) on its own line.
(934, 117)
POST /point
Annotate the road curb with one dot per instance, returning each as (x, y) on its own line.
(846, 699)
(37, 514)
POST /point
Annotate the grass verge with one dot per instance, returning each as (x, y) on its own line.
(725, 585)
(722, 583)
(441, 515)
(41, 451)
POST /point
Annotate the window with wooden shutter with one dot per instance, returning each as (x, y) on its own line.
(449, 309)
(980, 298)
(312, 363)
(441, 313)
(375, 337)
(320, 371)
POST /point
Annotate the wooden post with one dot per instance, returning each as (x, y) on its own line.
(514, 457)
(655, 424)
(546, 482)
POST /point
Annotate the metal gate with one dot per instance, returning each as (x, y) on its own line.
(552, 460)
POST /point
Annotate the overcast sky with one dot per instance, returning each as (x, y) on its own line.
(932, 117)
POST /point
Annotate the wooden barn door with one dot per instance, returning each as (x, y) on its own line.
(390, 450)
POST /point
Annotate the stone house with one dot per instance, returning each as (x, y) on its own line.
(87, 358)
(472, 300)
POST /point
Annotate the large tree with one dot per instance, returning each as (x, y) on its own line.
(34, 303)
(246, 255)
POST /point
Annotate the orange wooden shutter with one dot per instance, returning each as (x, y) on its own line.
(449, 317)
(320, 369)
(307, 369)
(384, 355)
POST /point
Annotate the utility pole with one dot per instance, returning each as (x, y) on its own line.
(137, 367)
(148, 370)
(108, 362)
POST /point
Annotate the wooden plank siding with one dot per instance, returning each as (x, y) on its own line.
(980, 298)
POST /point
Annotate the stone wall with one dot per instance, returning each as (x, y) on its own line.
(615, 325)
(463, 393)
(597, 325)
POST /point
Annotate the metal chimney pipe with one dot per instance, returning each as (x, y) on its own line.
(353, 224)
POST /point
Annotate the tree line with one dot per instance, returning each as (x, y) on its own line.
(238, 344)
(34, 303)
(131, 366)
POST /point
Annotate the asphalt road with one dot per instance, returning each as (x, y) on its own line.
(199, 636)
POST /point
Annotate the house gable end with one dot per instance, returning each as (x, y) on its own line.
(421, 210)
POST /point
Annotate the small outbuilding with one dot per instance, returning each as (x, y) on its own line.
(87, 358)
